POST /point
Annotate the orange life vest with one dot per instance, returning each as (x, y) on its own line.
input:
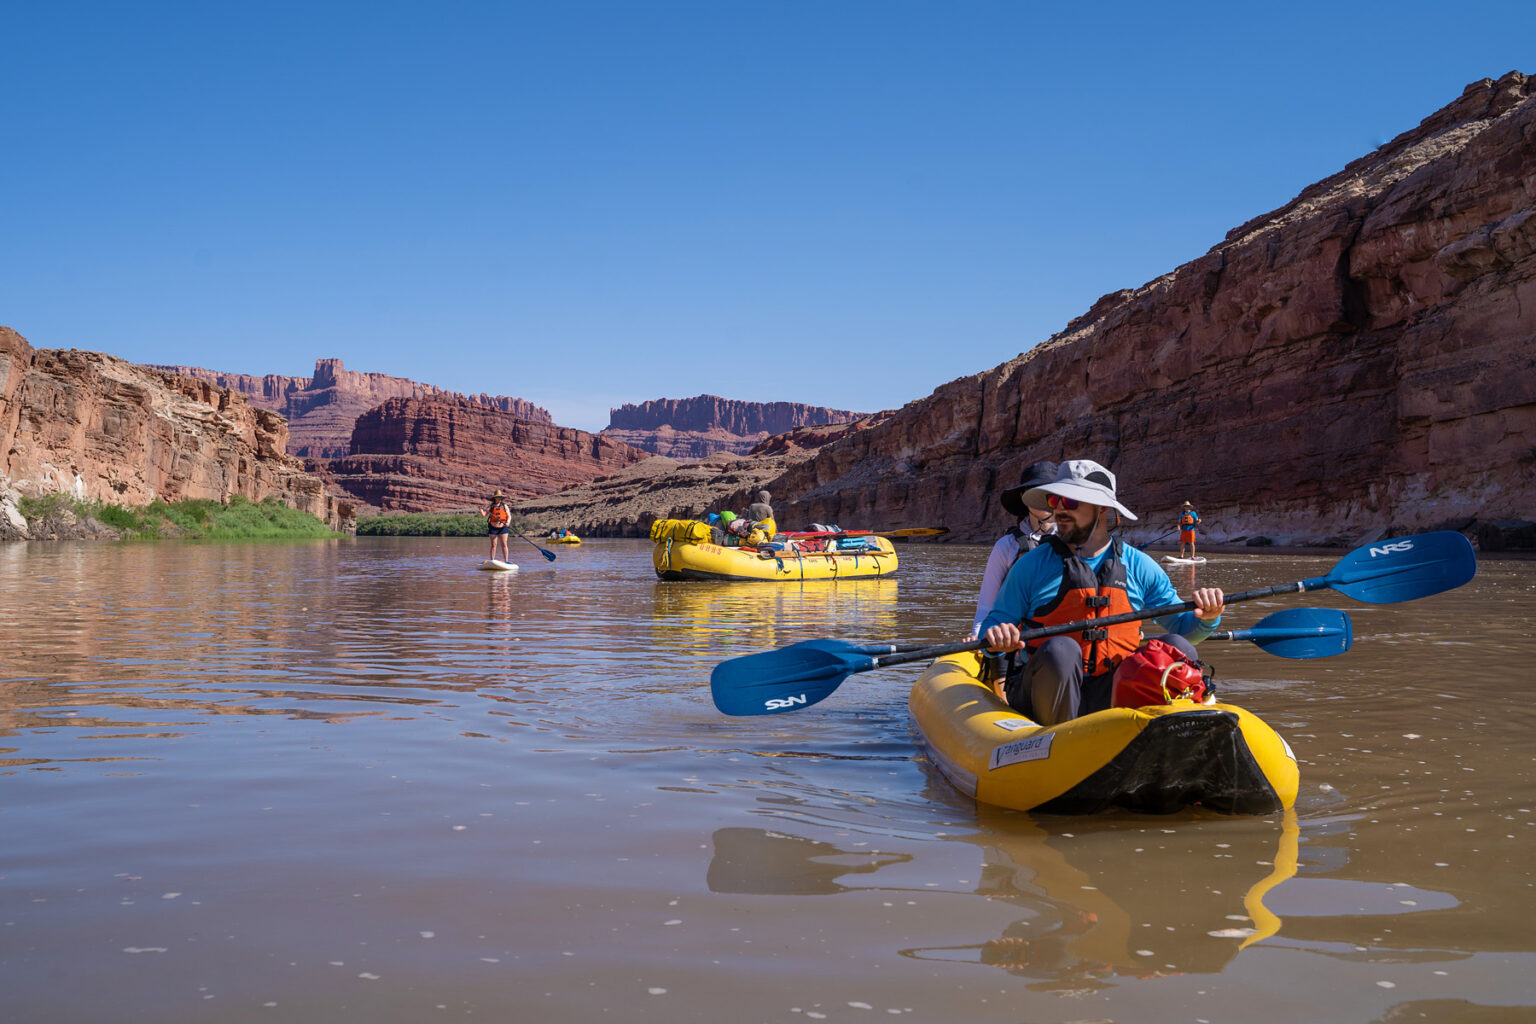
(1187, 520)
(498, 516)
(1085, 594)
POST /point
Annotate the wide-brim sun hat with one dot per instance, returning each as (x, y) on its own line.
(498, 494)
(1081, 480)
(1035, 474)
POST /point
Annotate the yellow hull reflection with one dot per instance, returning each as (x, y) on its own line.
(694, 615)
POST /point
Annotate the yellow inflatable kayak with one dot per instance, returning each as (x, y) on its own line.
(1152, 760)
(569, 538)
(680, 560)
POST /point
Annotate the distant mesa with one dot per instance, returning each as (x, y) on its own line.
(395, 444)
(696, 428)
(435, 454)
(322, 409)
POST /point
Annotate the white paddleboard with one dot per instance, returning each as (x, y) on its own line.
(497, 566)
(1175, 560)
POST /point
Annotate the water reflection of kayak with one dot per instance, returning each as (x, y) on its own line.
(1150, 760)
(692, 617)
(687, 561)
(1091, 905)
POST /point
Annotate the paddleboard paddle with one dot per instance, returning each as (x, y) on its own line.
(549, 556)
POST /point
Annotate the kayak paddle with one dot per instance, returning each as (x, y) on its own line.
(797, 676)
(1292, 633)
(1297, 633)
(549, 556)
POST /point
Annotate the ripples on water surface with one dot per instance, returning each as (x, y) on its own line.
(359, 780)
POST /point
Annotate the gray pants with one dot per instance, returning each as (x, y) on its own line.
(1051, 687)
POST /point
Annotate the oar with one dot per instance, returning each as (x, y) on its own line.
(911, 531)
(802, 674)
(1154, 540)
(548, 555)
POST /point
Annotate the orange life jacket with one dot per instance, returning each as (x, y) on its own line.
(1085, 594)
(1187, 520)
(498, 516)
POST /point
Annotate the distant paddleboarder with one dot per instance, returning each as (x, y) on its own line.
(498, 524)
(1188, 520)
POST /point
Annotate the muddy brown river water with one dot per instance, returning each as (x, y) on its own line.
(360, 781)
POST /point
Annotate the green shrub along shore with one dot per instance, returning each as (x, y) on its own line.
(429, 524)
(197, 518)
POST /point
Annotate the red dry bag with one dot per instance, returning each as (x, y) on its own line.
(1156, 673)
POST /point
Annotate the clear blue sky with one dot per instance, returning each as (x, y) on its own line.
(591, 203)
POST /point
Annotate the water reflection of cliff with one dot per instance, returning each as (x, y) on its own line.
(1163, 901)
(769, 614)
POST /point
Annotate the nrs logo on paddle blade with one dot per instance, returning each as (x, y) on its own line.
(780, 703)
(1392, 549)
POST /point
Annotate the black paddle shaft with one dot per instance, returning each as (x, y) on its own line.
(941, 650)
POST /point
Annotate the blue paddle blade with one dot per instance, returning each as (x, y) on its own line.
(788, 679)
(842, 647)
(1301, 633)
(1403, 569)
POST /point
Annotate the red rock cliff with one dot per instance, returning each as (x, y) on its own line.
(322, 409)
(695, 428)
(101, 428)
(1362, 359)
(416, 455)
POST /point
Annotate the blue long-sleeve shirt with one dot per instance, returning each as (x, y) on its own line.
(1034, 580)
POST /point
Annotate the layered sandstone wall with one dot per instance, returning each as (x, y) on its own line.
(419, 455)
(624, 504)
(1362, 360)
(322, 409)
(101, 428)
(695, 428)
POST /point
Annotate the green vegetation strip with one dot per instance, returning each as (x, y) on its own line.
(428, 524)
(193, 517)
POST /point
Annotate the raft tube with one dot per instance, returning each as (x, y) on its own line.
(682, 561)
(569, 539)
(1152, 760)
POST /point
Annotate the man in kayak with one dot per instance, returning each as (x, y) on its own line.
(1080, 573)
(1187, 520)
(498, 524)
(1033, 526)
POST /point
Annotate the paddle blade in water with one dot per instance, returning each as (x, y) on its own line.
(1301, 633)
(788, 679)
(1404, 568)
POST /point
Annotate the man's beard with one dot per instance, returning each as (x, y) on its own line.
(1072, 534)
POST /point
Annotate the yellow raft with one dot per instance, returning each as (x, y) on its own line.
(569, 538)
(677, 560)
(1153, 760)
